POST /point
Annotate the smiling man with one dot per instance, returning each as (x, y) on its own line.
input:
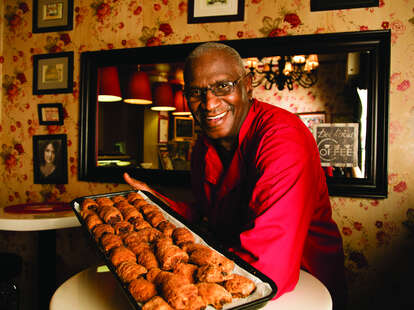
(257, 178)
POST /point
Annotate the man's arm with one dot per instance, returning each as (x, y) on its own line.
(283, 199)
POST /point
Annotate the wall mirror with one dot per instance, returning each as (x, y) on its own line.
(336, 83)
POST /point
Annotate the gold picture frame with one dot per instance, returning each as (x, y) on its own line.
(52, 15)
(53, 73)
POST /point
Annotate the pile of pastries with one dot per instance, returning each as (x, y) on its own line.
(161, 265)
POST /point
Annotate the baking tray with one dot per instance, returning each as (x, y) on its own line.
(266, 289)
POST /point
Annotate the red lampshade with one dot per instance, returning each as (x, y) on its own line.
(163, 97)
(139, 89)
(180, 104)
(109, 88)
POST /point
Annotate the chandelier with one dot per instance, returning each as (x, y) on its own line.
(284, 70)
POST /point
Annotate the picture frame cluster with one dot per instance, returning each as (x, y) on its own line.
(52, 74)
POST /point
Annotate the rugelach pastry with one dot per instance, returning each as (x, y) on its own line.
(166, 228)
(88, 203)
(142, 290)
(92, 220)
(101, 229)
(117, 199)
(134, 196)
(110, 241)
(155, 218)
(239, 286)
(182, 235)
(213, 294)
(128, 271)
(123, 227)
(122, 254)
(147, 259)
(156, 303)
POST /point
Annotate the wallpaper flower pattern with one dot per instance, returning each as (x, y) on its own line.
(377, 233)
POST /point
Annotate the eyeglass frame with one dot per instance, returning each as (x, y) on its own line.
(204, 90)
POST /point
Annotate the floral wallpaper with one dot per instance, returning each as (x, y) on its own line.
(378, 234)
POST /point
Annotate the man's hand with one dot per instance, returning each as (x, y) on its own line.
(138, 185)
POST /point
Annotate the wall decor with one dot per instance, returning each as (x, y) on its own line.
(53, 73)
(50, 162)
(163, 124)
(165, 159)
(50, 113)
(324, 5)
(213, 11)
(337, 144)
(52, 15)
(312, 118)
(183, 128)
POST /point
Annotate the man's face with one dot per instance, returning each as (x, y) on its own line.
(220, 117)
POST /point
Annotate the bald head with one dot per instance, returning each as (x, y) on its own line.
(212, 47)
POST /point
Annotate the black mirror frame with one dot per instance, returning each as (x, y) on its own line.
(376, 42)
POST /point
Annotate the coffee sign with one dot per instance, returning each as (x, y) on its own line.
(337, 144)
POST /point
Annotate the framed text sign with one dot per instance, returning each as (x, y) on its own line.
(337, 144)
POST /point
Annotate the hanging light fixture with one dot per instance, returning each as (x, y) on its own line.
(180, 104)
(108, 82)
(139, 88)
(163, 97)
(284, 71)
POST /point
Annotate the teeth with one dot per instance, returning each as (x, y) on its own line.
(217, 116)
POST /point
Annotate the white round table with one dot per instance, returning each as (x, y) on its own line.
(37, 221)
(97, 289)
(45, 224)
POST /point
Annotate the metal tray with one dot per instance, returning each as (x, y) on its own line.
(266, 288)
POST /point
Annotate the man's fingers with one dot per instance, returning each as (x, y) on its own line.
(135, 183)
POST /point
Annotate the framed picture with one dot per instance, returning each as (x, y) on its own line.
(52, 15)
(50, 113)
(50, 160)
(53, 73)
(337, 144)
(165, 159)
(183, 128)
(213, 11)
(324, 5)
(312, 118)
(163, 124)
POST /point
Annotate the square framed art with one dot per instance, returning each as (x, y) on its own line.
(53, 73)
(214, 11)
(50, 160)
(52, 15)
(50, 113)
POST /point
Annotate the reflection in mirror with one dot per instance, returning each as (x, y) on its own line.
(337, 85)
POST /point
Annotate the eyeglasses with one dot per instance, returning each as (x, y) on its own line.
(222, 88)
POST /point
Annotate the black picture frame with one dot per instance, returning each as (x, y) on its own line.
(59, 174)
(50, 113)
(325, 5)
(53, 73)
(183, 128)
(52, 15)
(225, 11)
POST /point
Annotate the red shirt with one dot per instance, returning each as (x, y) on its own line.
(271, 206)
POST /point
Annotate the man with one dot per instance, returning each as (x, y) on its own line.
(257, 177)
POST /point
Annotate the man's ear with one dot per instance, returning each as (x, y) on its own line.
(248, 82)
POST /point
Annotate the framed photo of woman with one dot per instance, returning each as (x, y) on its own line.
(50, 160)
